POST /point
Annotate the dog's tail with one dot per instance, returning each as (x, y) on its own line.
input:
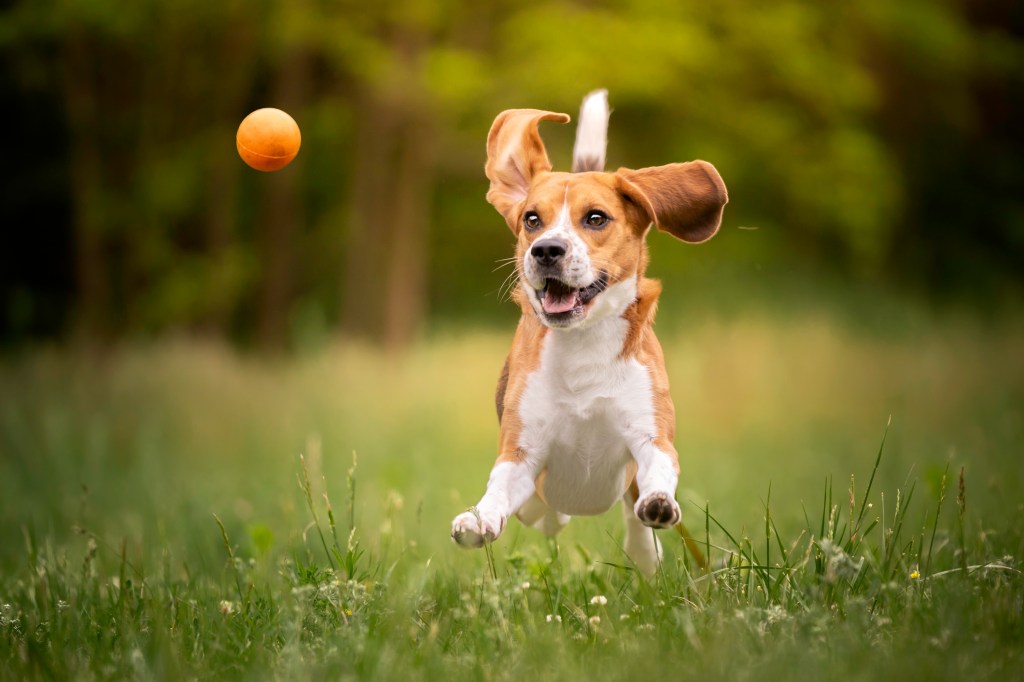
(591, 133)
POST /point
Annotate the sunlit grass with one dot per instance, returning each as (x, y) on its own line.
(159, 522)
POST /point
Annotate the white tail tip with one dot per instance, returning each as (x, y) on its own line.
(591, 133)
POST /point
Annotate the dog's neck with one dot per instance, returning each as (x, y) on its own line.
(616, 334)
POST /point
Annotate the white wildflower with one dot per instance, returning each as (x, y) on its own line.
(138, 661)
(599, 600)
(839, 564)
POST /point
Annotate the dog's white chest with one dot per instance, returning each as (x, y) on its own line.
(581, 409)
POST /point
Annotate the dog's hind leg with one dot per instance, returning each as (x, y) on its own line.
(641, 544)
(537, 514)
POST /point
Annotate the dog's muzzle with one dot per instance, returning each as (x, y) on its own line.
(556, 286)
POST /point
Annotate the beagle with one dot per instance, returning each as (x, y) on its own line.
(583, 401)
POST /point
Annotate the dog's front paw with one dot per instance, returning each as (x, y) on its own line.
(472, 529)
(658, 510)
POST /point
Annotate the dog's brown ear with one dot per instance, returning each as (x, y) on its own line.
(515, 155)
(684, 199)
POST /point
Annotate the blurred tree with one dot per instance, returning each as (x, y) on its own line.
(282, 215)
(86, 172)
(386, 283)
(952, 83)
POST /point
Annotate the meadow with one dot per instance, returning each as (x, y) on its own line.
(181, 510)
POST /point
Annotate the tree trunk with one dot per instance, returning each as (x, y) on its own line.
(406, 294)
(220, 224)
(385, 282)
(227, 99)
(282, 217)
(366, 238)
(92, 284)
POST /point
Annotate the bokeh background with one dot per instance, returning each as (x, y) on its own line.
(176, 327)
(872, 142)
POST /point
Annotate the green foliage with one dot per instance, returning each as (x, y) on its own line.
(840, 130)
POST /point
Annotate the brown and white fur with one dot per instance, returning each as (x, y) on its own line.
(583, 401)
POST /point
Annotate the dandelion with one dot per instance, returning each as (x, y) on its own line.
(138, 660)
(599, 600)
(839, 564)
(915, 574)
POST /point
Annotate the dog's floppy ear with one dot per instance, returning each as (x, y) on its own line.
(515, 155)
(684, 199)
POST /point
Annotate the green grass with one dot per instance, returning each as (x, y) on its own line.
(158, 521)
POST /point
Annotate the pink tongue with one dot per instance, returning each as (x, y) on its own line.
(555, 303)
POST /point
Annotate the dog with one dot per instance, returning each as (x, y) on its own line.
(583, 402)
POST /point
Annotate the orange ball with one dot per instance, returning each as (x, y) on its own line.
(268, 139)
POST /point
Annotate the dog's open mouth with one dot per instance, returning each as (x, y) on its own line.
(558, 298)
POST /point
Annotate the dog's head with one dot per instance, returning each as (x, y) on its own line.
(580, 236)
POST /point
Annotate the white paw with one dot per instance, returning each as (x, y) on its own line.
(658, 510)
(473, 529)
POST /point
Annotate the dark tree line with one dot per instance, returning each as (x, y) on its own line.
(878, 139)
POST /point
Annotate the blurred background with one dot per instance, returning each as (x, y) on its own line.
(171, 319)
(874, 142)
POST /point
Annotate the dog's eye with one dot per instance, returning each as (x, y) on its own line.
(596, 219)
(531, 220)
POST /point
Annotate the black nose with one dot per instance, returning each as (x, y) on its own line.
(547, 252)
